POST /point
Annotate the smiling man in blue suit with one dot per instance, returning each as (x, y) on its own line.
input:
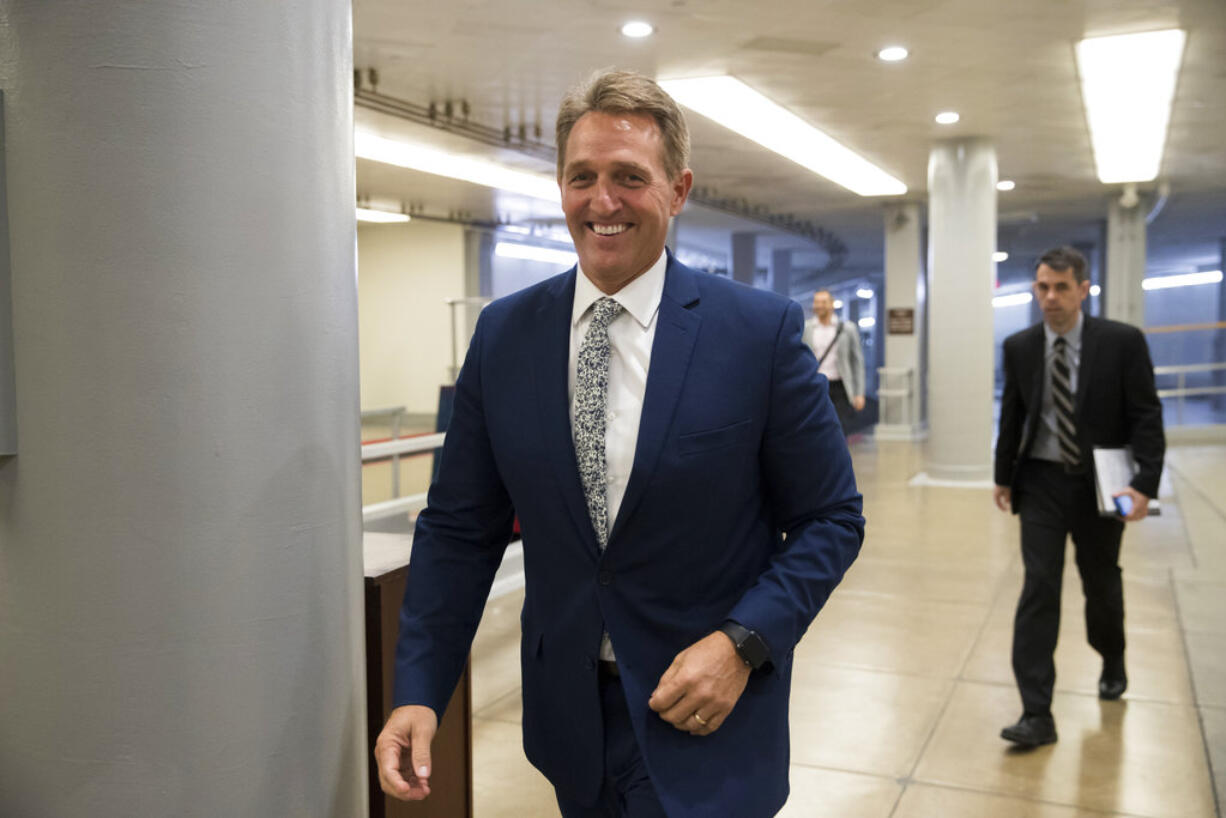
(684, 491)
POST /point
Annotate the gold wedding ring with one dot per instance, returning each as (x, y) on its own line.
(701, 721)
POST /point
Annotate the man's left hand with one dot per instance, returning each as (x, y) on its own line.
(858, 403)
(1140, 504)
(701, 686)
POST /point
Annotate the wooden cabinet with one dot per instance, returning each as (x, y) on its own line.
(451, 784)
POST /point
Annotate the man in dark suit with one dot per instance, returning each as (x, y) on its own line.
(1072, 382)
(685, 495)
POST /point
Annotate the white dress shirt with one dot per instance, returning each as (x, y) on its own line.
(823, 338)
(630, 336)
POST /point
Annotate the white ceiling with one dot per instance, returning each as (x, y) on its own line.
(1007, 67)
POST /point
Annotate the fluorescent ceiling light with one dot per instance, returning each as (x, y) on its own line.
(867, 322)
(1127, 86)
(947, 117)
(637, 29)
(1012, 300)
(864, 292)
(739, 108)
(893, 53)
(1185, 280)
(999, 256)
(365, 214)
(530, 252)
(1095, 289)
(429, 159)
(1005, 185)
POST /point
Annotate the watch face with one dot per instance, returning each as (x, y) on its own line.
(753, 649)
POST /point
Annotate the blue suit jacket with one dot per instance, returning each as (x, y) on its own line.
(741, 505)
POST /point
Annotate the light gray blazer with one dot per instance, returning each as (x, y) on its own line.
(848, 355)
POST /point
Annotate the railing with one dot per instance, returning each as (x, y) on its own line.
(393, 449)
(396, 415)
(1182, 390)
(455, 348)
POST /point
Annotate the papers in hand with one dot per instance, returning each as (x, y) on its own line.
(1113, 472)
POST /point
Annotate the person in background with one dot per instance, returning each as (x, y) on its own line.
(836, 343)
(1072, 382)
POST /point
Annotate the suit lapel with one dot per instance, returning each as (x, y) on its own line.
(550, 360)
(1089, 349)
(676, 331)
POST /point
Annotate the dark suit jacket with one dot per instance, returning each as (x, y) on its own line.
(1116, 404)
(738, 446)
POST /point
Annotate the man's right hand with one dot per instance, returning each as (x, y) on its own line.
(1003, 495)
(402, 752)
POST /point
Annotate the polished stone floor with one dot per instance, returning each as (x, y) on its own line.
(903, 682)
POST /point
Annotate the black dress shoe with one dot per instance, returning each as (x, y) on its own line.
(1114, 681)
(1031, 731)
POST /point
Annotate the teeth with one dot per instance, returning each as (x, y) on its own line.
(608, 229)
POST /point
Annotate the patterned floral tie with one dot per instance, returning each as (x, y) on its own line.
(591, 407)
(1062, 396)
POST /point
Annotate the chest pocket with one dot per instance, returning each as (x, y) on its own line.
(712, 439)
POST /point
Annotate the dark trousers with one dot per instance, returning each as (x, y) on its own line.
(1052, 505)
(842, 405)
(627, 790)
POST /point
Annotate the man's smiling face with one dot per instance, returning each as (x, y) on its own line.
(617, 196)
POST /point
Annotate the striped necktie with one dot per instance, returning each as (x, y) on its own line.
(1062, 396)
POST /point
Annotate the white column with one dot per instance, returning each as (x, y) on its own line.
(180, 558)
(1125, 300)
(898, 390)
(961, 239)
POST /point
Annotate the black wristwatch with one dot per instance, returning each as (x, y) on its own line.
(749, 645)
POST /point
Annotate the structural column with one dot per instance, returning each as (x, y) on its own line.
(898, 391)
(744, 257)
(180, 563)
(961, 240)
(1219, 335)
(1124, 298)
(781, 271)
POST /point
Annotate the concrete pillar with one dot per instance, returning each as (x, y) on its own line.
(781, 272)
(1123, 297)
(899, 417)
(744, 257)
(180, 542)
(1219, 335)
(962, 238)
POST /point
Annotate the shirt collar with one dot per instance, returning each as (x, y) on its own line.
(1072, 337)
(641, 297)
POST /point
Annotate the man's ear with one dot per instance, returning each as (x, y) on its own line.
(681, 190)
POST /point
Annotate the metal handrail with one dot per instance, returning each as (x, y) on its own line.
(407, 445)
(1181, 390)
(396, 413)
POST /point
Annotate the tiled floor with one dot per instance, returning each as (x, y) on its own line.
(903, 683)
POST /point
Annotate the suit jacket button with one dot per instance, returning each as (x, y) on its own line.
(605, 577)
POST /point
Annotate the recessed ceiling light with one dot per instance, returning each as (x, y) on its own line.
(1128, 85)
(864, 292)
(366, 214)
(638, 29)
(838, 304)
(1185, 280)
(999, 256)
(739, 108)
(893, 53)
(1005, 185)
(947, 117)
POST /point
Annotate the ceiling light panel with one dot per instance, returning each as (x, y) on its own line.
(366, 214)
(637, 29)
(736, 106)
(478, 171)
(1127, 87)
